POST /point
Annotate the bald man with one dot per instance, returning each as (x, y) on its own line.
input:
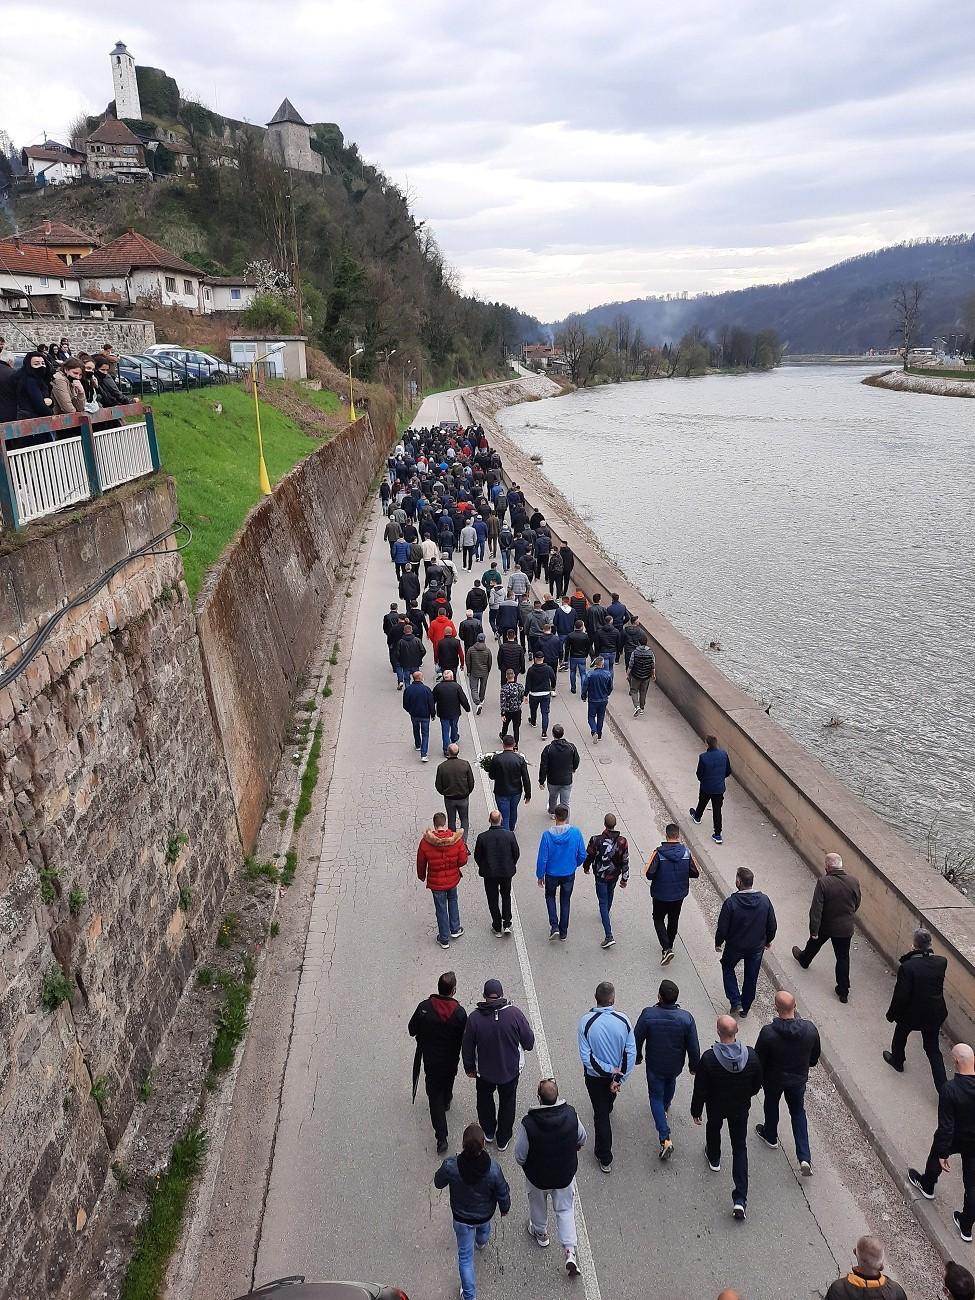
(835, 901)
(867, 1277)
(955, 1134)
(728, 1076)
(729, 1295)
(787, 1048)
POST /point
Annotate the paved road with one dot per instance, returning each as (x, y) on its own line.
(350, 1191)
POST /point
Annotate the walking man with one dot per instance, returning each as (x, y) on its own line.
(728, 1076)
(596, 689)
(577, 651)
(557, 766)
(439, 859)
(919, 1003)
(410, 653)
(670, 872)
(867, 1277)
(713, 769)
(640, 672)
(666, 1037)
(419, 704)
(438, 1027)
(479, 661)
(495, 1041)
(608, 855)
(509, 772)
(549, 1140)
(477, 1189)
(539, 686)
(496, 853)
(607, 1050)
(835, 901)
(787, 1050)
(455, 781)
(450, 698)
(955, 1135)
(561, 851)
(746, 927)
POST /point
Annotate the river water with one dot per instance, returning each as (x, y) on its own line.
(822, 532)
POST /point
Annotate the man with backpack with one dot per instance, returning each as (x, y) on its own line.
(608, 856)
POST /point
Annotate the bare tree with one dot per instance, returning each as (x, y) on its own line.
(78, 132)
(622, 332)
(907, 316)
(574, 342)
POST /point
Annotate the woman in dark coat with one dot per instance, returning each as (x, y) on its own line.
(34, 388)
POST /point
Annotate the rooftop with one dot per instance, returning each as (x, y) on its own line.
(51, 151)
(17, 258)
(112, 131)
(128, 251)
(287, 113)
(231, 281)
(56, 233)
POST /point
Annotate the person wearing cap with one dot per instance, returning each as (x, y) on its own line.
(918, 1003)
(496, 1037)
(479, 663)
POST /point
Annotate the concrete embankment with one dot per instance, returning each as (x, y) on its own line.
(936, 385)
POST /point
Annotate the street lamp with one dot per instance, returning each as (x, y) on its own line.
(264, 483)
(352, 415)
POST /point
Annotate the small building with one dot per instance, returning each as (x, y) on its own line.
(115, 153)
(287, 363)
(66, 242)
(52, 163)
(35, 281)
(125, 83)
(134, 269)
(227, 293)
(288, 141)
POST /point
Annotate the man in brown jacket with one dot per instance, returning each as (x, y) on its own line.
(836, 899)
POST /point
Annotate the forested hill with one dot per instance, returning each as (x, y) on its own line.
(844, 308)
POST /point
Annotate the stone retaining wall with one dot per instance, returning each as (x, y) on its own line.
(83, 336)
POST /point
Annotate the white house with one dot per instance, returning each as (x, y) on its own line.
(51, 163)
(132, 269)
(35, 279)
(227, 293)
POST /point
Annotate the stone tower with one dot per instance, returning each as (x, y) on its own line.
(288, 141)
(126, 87)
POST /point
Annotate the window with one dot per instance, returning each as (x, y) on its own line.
(61, 283)
(170, 284)
(235, 295)
(128, 148)
(43, 281)
(187, 286)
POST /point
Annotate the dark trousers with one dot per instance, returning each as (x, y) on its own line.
(561, 585)
(500, 1122)
(745, 996)
(665, 918)
(716, 801)
(536, 702)
(440, 1090)
(794, 1092)
(562, 885)
(469, 557)
(603, 1102)
(499, 901)
(738, 1132)
(841, 951)
(930, 1041)
(932, 1172)
(514, 720)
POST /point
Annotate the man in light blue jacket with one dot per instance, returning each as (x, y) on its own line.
(561, 852)
(607, 1049)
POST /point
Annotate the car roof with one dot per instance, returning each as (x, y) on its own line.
(320, 1291)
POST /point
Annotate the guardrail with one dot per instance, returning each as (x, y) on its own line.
(58, 461)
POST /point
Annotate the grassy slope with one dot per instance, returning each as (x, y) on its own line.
(213, 459)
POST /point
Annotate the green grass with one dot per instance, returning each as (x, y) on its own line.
(928, 372)
(159, 1234)
(309, 779)
(213, 459)
(327, 401)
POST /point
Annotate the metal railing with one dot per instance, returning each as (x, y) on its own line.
(48, 477)
(122, 453)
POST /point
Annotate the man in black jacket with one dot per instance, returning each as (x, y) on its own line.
(787, 1049)
(955, 1134)
(835, 901)
(608, 642)
(728, 1076)
(539, 685)
(496, 853)
(393, 629)
(919, 1003)
(455, 781)
(746, 927)
(409, 584)
(511, 655)
(410, 654)
(438, 1027)
(450, 698)
(547, 1148)
(509, 772)
(558, 765)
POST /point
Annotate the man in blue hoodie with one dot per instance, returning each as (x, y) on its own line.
(667, 1036)
(746, 927)
(561, 852)
(670, 871)
(713, 769)
(597, 687)
(607, 1050)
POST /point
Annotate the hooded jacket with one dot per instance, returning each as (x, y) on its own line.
(918, 1001)
(746, 922)
(548, 1142)
(495, 1041)
(439, 858)
(713, 767)
(727, 1078)
(643, 664)
(667, 1037)
(496, 852)
(440, 626)
(858, 1285)
(410, 652)
(540, 679)
(33, 389)
(477, 1187)
(438, 1027)
(418, 700)
(561, 852)
(564, 620)
(551, 648)
(559, 761)
(670, 871)
(479, 660)
(788, 1050)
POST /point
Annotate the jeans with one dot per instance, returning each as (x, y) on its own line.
(448, 913)
(479, 549)
(597, 712)
(457, 808)
(536, 701)
(577, 664)
(505, 560)
(563, 884)
(605, 889)
(603, 1102)
(440, 1091)
(738, 1132)
(932, 1172)
(508, 808)
(930, 1040)
(421, 735)
(753, 964)
(558, 796)
(403, 674)
(467, 1235)
(449, 731)
(661, 1088)
(841, 951)
(499, 1123)
(563, 1203)
(498, 893)
(514, 721)
(716, 801)
(794, 1092)
(665, 919)
(638, 691)
(609, 663)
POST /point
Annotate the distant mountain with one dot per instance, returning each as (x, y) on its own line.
(845, 308)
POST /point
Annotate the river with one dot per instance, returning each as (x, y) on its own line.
(821, 531)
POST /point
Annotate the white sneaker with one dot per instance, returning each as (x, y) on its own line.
(571, 1267)
(540, 1238)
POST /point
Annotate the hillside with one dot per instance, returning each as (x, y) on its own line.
(844, 308)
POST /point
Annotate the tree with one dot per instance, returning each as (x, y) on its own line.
(907, 316)
(573, 341)
(622, 332)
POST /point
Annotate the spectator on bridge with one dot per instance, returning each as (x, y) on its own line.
(867, 1277)
(836, 899)
(67, 390)
(919, 1003)
(438, 1024)
(109, 393)
(439, 859)
(33, 388)
(8, 389)
(713, 769)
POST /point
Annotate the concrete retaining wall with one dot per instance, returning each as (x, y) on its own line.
(813, 809)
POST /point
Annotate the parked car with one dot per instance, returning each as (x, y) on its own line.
(296, 1288)
(206, 362)
(132, 377)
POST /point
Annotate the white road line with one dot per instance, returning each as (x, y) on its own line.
(584, 1249)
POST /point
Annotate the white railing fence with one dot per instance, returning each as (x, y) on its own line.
(48, 477)
(122, 454)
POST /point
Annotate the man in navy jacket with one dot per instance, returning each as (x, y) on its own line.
(746, 927)
(666, 1036)
(713, 769)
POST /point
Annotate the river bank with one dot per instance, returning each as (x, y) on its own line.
(935, 385)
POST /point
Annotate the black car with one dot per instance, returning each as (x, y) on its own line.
(296, 1288)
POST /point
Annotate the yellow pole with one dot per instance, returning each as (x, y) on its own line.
(263, 482)
(352, 415)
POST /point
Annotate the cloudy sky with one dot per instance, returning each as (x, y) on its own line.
(572, 153)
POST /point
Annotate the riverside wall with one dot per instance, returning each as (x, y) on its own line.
(814, 810)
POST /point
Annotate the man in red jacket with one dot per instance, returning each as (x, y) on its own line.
(439, 859)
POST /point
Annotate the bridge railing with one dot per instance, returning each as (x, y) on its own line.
(56, 462)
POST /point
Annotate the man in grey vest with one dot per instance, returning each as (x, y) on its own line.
(547, 1148)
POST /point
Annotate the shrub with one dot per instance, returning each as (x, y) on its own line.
(269, 315)
(55, 989)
